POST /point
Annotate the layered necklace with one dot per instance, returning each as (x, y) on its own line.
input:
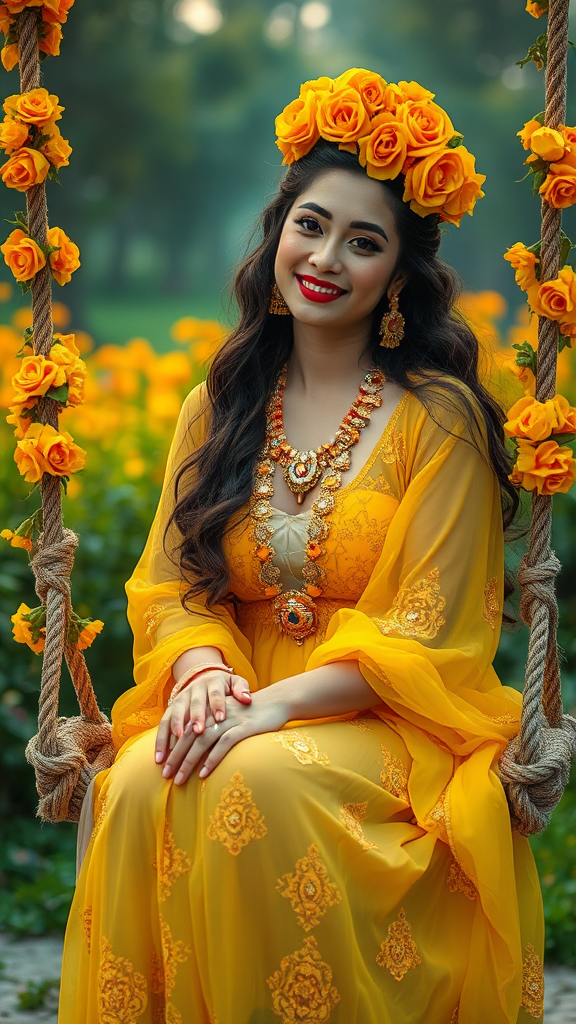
(295, 611)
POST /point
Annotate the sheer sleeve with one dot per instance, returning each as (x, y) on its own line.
(162, 628)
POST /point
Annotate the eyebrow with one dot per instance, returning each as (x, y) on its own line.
(364, 225)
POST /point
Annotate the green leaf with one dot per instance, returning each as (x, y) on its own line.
(455, 141)
(538, 53)
(566, 247)
(26, 285)
(53, 174)
(59, 394)
(564, 341)
(20, 220)
(539, 179)
(526, 356)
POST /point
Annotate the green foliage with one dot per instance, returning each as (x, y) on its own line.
(37, 871)
(34, 996)
(555, 852)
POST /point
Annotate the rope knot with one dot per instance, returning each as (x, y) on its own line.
(52, 566)
(533, 790)
(537, 583)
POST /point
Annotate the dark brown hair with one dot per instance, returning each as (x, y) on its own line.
(439, 350)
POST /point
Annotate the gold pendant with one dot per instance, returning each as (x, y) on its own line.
(302, 473)
(296, 614)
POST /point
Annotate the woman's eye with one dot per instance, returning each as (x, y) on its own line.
(308, 223)
(365, 244)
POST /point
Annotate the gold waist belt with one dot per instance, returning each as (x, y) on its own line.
(262, 613)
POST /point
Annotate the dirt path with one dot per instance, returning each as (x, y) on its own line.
(36, 960)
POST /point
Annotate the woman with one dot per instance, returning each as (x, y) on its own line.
(304, 821)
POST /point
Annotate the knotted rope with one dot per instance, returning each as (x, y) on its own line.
(66, 753)
(536, 765)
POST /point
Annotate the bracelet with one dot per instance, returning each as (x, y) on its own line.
(192, 673)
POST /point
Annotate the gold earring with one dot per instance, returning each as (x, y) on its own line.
(392, 326)
(277, 303)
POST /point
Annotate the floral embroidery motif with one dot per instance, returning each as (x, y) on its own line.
(359, 723)
(122, 994)
(439, 818)
(394, 776)
(174, 952)
(393, 449)
(175, 862)
(303, 747)
(302, 989)
(416, 609)
(491, 606)
(352, 816)
(532, 983)
(152, 617)
(172, 1015)
(458, 881)
(236, 819)
(398, 953)
(309, 889)
(377, 483)
(86, 917)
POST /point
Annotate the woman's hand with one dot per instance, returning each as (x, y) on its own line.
(204, 696)
(266, 714)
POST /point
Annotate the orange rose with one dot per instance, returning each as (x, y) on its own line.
(535, 9)
(559, 189)
(546, 468)
(318, 86)
(342, 117)
(523, 262)
(66, 260)
(46, 450)
(89, 634)
(445, 183)
(10, 56)
(13, 135)
(372, 88)
(393, 98)
(568, 330)
(547, 143)
(556, 299)
(296, 127)
(56, 10)
(428, 127)
(35, 107)
(25, 168)
(57, 149)
(22, 629)
(6, 20)
(68, 341)
(523, 374)
(35, 377)
(73, 372)
(21, 253)
(18, 420)
(50, 39)
(415, 92)
(16, 6)
(536, 421)
(383, 152)
(527, 132)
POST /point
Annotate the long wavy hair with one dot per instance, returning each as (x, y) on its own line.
(438, 351)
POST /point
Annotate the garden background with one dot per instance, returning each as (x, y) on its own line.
(170, 107)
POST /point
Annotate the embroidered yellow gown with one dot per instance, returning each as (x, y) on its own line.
(358, 871)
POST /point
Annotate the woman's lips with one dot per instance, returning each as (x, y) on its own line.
(318, 291)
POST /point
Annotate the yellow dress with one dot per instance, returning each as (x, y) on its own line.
(354, 870)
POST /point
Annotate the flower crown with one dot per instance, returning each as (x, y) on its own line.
(393, 129)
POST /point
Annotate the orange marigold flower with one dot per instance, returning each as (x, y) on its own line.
(35, 107)
(22, 629)
(21, 253)
(25, 168)
(445, 183)
(13, 135)
(89, 634)
(296, 127)
(546, 468)
(46, 450)
(536, 421)
(383, 152)
(342, 117)
(523, 262)
(67, 259)
(57, 149)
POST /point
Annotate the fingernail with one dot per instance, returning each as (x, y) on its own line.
(219, 716)
(167, 771)
(159, 756)
(188, 729)
(179, 778)
(179, 733)
(247, 694)
(197, 727)
(203, 773)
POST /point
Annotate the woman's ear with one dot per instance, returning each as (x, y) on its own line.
(397, 283)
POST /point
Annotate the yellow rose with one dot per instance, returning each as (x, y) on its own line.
(22, 255)
(372, 88)
(22, 630)
(6, 20)
(25, 168)
(535, 421)
(66, 260)
(547, 143)
(35, 377)
(15, 540)
(527, 132)
(68, 341)
(445, 183)
(559, 189)
(46, 450)
(10, 56)
(18, 420)
(57, 149)
(50, 38)
(13, 135)
(428, 127)
(415, 92)
(393, 98)
(296, 128)
(546, 468)
(523, 262)
(89, 634)
(342, 117)
(535, 9)
(56, 11)
(555, 299)
(383, 152)
(523, 374)
(318, 86)
(35, 107)
(568, 330)
(73, 372)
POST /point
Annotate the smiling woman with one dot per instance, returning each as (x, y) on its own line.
(304, 820)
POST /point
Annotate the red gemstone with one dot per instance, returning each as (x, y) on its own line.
(300, 469)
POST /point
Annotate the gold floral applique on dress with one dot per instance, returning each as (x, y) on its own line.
(439, 818)
(491, 606)
(458, 881)
(122, 996)
(304, 748)
(152, 617)
(352, 816)
(394, 775)
(309, 889)
(393, 448)
(532, 983)
(398, 953)
(175, 862)
(86, 918)
(236, 819)
(416, 609)
(359, 723)
(302, 989)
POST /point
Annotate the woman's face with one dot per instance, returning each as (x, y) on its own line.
(337, 250)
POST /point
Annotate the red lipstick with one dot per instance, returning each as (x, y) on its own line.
(318, 291)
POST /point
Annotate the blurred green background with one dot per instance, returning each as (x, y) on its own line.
(170, 109)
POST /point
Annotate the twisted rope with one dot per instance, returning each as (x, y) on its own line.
(536, 765)
(66, 753)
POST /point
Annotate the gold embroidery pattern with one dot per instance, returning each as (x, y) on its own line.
(394, 776)
(416, 609)
(175, 862)
(236, 819)
(379, 484)
(261, 613)
(504, 719)
(458, 881)
(302, 989)
(122, 994)
(86, 918)
(455, 1016)
(439, 818)
(532, 983)
(174, 952)
(309, 889)
(393, 448)
(304, 748)
(491, 606)
(398, 953)
(172, 1015)
(359, 723)
(352, 816)
(152, 617)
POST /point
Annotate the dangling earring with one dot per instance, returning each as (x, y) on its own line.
(392, 326)
(277, 304)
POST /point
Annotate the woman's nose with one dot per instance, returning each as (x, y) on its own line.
(326, 259)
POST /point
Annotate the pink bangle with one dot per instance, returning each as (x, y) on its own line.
(192, 673)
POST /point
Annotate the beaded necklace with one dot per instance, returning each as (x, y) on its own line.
(295, 611)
